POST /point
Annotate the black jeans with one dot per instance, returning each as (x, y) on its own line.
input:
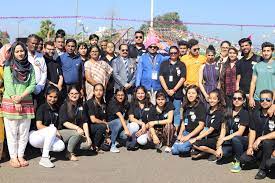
(98, 133)
(263, 154)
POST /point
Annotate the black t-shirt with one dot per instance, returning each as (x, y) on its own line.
(139, 114)
(134, 52)
(79, 115)
(47, 115)
(111, 82)
(115, 107)
(53, 70)
(245, 69)
(94, 109)
(262, 124)
(242, 118)
(154, 115)
(172, 73)
(214, 120)
(192, 116)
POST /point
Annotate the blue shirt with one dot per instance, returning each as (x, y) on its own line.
(71, 68)
(147, 65)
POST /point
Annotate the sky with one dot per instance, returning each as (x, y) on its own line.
(213, 11)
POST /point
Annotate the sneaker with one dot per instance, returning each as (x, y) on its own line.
(236, 167)
(260, 175)
(46, 162)
(167, 149)
(114, 149)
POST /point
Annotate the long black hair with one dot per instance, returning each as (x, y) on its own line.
(229, 110)
(186, 102)
(146, 100)
(102, 102)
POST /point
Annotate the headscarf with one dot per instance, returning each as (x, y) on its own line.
(4, 53)
(21, 69)
(152, 39)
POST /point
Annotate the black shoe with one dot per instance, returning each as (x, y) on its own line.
(270, 163)
(212, 158)
(260, 175)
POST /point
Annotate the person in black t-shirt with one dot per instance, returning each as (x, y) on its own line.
(205, 142)
(193, 121)
(47, 136)
(136, 50)
(233, 137)
(73, 122)
(172, 75)
(244, 68)
(160, 123)
(261, 135)
(138, 114)
(98, 115)
(117, 112)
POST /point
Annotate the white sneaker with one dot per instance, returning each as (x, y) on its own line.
(46, 162)
(167, 149)
(114, 149)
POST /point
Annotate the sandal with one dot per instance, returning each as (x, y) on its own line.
(72, 157)
(15, 163)
(23, 162)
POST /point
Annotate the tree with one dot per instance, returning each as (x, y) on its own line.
(46, 29)
(169, 20)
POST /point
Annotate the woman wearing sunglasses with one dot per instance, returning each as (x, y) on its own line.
(233, 137)
(172, 76)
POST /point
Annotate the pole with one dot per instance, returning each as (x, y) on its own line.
(152, 14)
(76, 15)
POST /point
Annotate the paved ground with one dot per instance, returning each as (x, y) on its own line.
(136, 167)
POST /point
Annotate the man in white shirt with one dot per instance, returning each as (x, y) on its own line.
(40, 68)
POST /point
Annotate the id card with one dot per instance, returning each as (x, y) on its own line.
(231, 131)
(154, 75)
(186, 121)
(170, 78)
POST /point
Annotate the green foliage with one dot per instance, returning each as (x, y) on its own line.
(46, 29)
(168, 20)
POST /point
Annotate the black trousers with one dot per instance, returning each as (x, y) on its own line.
(263, 154)
(98, 133)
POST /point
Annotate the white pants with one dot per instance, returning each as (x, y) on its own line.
(133, 128)
(17, 133)
(46, 138)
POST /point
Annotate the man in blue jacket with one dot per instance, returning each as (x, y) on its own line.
(148, 68)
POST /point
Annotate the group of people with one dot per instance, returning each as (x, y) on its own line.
(63, 95)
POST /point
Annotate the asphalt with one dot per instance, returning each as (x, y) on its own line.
(140, 166)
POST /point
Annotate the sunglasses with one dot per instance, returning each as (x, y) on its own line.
(173, 53)
(265, 99)
(196, 49)
(153, 47)
(237, 98)
(139, 37)
(124, 50)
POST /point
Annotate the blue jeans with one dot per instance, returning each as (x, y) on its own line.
(177, 105)
(181, 147)
(115, 126)
(239, 145)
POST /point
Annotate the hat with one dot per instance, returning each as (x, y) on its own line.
(151, 40)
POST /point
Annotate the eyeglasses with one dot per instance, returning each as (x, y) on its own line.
(153, 47)
(124, 50)
(265, 99)
(139, 37)
(237, 98)
(196, 49)
(173, 53)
